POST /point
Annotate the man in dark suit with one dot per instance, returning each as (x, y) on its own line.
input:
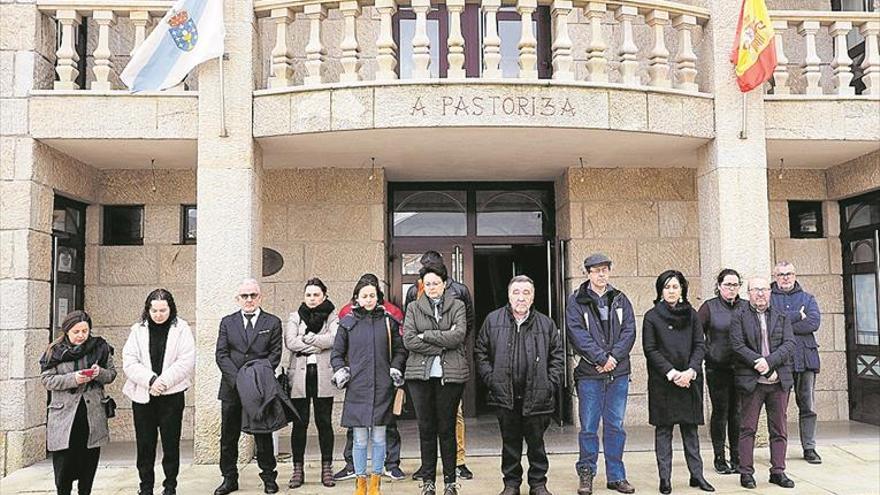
(763, 342)
(245, 335)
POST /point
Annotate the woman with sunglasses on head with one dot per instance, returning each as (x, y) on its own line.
(159, 360)
(75, 368)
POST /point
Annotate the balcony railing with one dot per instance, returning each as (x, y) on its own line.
(823, 43)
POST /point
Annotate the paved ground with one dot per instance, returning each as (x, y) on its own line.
(851, 452)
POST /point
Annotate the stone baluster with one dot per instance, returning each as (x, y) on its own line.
(871, 65)
(386, 48)
(421, 43)
(629, 64)
(67, 58)
(842, 73)
(659, 57)
(812, 73)
(349, 46)
(780, 73)
(281, 72)
(315, 52)
(103, 65)
(528, 44)
(686, 59)
(455, 40)
(563, 62)
(491, 40)
(597, 62)
(140, 19)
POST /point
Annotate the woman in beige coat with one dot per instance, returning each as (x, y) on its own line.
(309, 335)
(75, 368)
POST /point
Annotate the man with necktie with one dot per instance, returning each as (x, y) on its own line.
(245, 335)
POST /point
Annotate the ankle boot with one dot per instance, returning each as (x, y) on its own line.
(297, 477)
(375, 485)
(327, 474)
(360, 485)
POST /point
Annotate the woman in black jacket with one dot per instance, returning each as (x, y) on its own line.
(673, 342)
(716, 315)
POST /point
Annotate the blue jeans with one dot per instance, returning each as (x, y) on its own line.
(359, 452)
(605, 399)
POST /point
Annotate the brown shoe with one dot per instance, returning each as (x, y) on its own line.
(585, 486)
(621, 486)
(375, 485)
(539, 490)
(327, 474)
(297, 477)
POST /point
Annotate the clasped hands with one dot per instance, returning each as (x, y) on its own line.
(682, 379)
(609, 365)
(762, 367)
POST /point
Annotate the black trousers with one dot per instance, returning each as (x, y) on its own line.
(230, 432)
(323, 419)
(725, 418)
(392, 445)
(514, 429)
(77, 461)
(663, 448)
(436, 408)
(162, 416)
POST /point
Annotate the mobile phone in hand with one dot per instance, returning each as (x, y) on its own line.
(88, 372)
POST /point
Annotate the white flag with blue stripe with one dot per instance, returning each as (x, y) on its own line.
(189, 34)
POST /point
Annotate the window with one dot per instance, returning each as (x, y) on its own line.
(188, 218)
(124, 225)
(805, 219)
(430, 213)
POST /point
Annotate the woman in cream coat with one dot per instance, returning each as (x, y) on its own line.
(159, 361)
(309, 335)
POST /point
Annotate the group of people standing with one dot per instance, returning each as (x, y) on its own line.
(755, 351)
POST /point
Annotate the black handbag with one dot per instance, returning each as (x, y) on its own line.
(109, 406)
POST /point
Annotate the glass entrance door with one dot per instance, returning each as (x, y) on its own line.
(68, 255)
(860, 235)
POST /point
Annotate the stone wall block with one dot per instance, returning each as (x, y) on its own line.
(831, 216)
(329, 221)
(377, 222)
(7, 81)
(698, 119)
(833, 375)
(641, 293)
(25, 254)
(309, 112)
(20, 352)
(809, 256)
(627, 110)
(17, 410)
(835, 256)
(292, 271)
(129, 265)
(118, 306)
(325, 186)
(93, 224)
(639, 366)
(31, 304)
(679, 219)
(666, 113)
(7, 158)
(623, 254)
(25, 447)
(352, 109)
(13, 116)
(839, 330)
(810, 185)
(272, 114)
(636, 410)
(854, 177)
(825, 334)
(345, 260)
(174, 186)
(25, 205)
(162, 224)
(779, 219)
(275, 221)
(635, 184)
(828, 290)
(843, 405)
(177, 116)
(680, 254)
(629, 219)
(177, 264)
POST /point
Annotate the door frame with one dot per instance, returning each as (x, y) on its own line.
(76, 277)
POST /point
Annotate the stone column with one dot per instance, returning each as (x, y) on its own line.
(229, 200)
(26, 202)
(732, 175)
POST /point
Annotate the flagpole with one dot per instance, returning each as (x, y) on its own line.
(743, 131)
(223, 132)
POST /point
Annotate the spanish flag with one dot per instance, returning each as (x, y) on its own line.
(754, 52)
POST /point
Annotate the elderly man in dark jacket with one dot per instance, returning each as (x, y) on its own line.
(762, 339)
(244, 336)
(800, 306)
(519, 357)
(601, 327)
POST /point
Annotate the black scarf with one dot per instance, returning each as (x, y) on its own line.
(679, 317)
(314, 318)
(93, 350)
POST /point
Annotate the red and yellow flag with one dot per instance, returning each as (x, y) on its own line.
(754, 51)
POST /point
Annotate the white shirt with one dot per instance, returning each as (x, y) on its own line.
(244, 319)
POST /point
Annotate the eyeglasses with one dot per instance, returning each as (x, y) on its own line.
(252, 295)
(783, 275)
(731, 286)
(759, 290)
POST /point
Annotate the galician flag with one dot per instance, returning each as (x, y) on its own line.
(754, 51)
(189, 34)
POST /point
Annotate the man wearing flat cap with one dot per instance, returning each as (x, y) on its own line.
(601, 327)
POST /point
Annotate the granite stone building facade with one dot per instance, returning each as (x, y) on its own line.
(355, 134)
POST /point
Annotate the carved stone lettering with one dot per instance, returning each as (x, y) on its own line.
(493, 105)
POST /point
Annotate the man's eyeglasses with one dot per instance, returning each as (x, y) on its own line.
(252, 295)
(759, 290)
(786, 274)
(731, 286)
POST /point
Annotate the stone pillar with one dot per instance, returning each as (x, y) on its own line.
(229, 200)
(26, 203)
(732, 174)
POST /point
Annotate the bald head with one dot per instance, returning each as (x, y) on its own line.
(759, 293)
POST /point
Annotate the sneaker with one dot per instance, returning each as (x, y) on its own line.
(395, 473)
(811, 456)
(463, 472)
(346, 473)
(428, 488)
(451, 489)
